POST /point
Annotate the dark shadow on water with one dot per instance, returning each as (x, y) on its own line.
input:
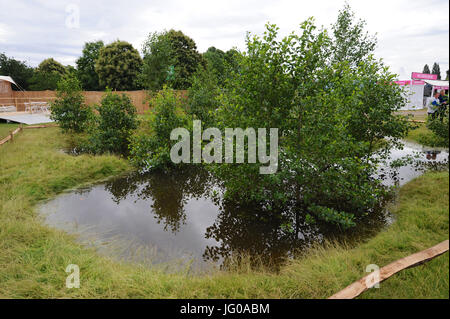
(181, 215)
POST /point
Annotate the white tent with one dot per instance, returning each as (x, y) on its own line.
(436, 85)
(7, 79)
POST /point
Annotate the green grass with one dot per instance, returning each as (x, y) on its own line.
(5, 129)
(33, 257)
(422, 135)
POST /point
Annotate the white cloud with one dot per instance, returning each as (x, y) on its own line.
(410, 32)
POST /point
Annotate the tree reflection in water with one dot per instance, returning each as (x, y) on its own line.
(266, 237)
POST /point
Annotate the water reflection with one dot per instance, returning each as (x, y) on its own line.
(175, 216)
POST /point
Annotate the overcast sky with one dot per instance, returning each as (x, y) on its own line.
(410, 32)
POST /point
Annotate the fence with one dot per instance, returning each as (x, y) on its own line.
(140, 98)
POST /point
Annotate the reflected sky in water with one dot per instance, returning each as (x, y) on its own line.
(162, 217)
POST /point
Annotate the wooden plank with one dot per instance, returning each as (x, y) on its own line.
(370, 280)
(40, 126)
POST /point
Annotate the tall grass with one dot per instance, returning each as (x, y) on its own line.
(33, 257)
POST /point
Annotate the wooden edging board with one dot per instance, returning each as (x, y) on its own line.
(358, 287)
(20, 128)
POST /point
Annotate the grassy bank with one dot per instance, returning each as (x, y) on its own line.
(33, 257)
(5, 129)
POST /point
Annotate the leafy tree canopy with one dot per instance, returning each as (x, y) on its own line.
(47, 75)
(18, 70)
(436, 70)
(170, 58)
(118, 66)
(86, 66)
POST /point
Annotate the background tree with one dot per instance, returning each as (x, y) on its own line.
(157, 61)
(330, 111)
(69, 109)
(426, 69)
(47, 75)
(186, 57)
(436, 70)
(116, 121)
(18, 70)
(118, 66)
(351, 42)
(169, 58)
(446, 78)
(215, 60)
(86, 66)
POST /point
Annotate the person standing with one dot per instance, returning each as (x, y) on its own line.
(434, 105)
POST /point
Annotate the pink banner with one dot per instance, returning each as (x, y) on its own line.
(416, 75)
(440, 87)
(418, 83)
(402, 82)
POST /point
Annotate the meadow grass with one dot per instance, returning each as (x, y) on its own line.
(6, 128)
(33, 256)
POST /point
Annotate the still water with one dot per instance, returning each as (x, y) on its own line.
(172, 220)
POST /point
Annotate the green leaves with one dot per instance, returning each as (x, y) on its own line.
(69, 109)
(118, 66)
(116, 121)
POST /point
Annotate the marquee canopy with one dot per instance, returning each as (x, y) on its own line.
(438, 84)
(7, 79)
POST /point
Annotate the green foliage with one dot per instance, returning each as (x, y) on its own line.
(436, 70)
(116, 121)
(187, 59)
(157, 61)
(330, 105)
(86, 66)
(351, 43)
(439, 126)
(203, 97)
(152, 148)
(50, 66)
(69, 109)
(221, 64)
(426, 69)
(169, 58)
(118, 66)
(47, 75)
(18, 70)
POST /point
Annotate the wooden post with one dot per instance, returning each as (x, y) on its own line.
(12, 135)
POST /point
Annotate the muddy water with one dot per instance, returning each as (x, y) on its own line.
(173, 220)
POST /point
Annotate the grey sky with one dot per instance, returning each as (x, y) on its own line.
(410, 32)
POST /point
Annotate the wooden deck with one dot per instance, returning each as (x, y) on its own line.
(26, 117)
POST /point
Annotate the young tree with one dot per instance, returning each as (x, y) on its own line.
(151, 150)
(187, 59)
(47, 75)
(351, 42)
(116, 121)
(86, 66)
(436, 70)
(18, 70)
(329, 111)
(157, 62)
(118, 66)
(69, 109)
(169, 58)
(426, 69)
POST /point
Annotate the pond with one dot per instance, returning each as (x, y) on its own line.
(172, 220)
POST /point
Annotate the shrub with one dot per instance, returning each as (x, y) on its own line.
(439, 126)
(202, 96)
(116, 121)
(153, 150)
(69, 109)
(118, 66)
